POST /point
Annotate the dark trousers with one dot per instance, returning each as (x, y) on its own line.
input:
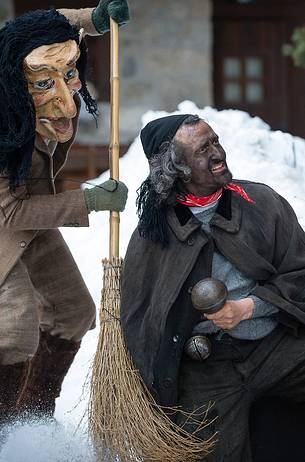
(235, 375)
(277, 429)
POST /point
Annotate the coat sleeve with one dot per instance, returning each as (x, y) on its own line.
(21, 211)
(286, 288)
(80, 18)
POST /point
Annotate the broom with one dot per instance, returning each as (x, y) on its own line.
(125, 422)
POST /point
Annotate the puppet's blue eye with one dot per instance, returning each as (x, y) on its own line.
(71, 74)
(43, 84)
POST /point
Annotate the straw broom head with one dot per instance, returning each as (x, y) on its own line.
(125, 421)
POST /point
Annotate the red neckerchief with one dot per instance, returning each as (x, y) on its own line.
(240, 191)
(200, 201)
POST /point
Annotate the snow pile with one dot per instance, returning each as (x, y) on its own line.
(253, 152)
(43, 442)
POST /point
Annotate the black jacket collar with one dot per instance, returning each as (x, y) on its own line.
(227, 216)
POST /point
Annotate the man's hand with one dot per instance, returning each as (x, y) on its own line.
(232, 313)
(111, 195)
(116, 9)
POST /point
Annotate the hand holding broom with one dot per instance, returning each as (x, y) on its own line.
(116, 9)
(110, 195)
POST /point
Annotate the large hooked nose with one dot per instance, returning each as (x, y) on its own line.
(64, 105)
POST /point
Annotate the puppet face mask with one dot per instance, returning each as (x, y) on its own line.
(52, 81)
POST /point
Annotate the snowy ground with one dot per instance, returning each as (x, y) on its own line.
(253, 152)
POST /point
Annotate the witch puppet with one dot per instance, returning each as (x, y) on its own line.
(45, 306)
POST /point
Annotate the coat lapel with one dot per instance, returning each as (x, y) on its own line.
(228, 213)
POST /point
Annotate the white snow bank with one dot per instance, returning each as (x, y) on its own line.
(47, 443)
(254, 152)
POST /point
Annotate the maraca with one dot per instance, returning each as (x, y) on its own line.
(209, 295)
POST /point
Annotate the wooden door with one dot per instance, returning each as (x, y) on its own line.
(250, 71)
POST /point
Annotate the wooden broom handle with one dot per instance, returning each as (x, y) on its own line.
(114, 145)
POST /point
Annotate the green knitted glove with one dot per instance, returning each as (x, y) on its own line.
(106, 9)
(111, 195)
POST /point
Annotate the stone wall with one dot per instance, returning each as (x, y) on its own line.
(166, 57)
(6, 11)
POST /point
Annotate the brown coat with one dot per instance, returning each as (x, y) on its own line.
(36, 205)
(81, 18)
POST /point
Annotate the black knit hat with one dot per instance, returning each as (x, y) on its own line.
(152, 213)
(158, 131)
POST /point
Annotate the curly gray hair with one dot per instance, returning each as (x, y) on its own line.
(168, 166)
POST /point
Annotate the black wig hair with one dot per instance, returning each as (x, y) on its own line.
(17, 116)
(152, 211)
(152, 215)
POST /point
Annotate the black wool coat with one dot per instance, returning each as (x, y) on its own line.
(263, 240)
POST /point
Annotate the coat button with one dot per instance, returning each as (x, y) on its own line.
(176, 338)
(191, 241)
(167, 383)
(23, 244)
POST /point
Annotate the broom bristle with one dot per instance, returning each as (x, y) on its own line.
(125, 422)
